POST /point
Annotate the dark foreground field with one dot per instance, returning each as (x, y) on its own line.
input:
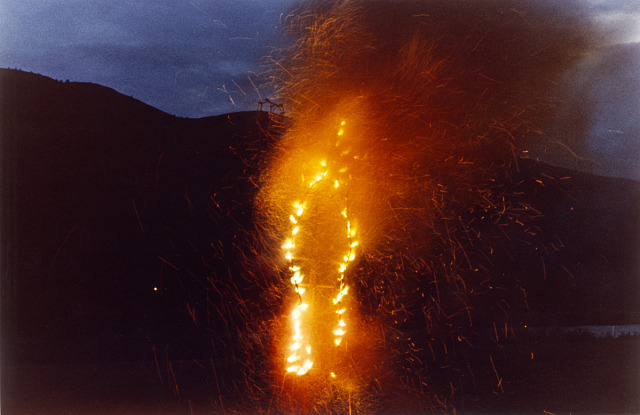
(574, 375)
(125, 230)
(550, 375)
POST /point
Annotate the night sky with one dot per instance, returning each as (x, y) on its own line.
(187, 58)
(204, 57)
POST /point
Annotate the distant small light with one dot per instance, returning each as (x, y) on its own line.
(155, 288)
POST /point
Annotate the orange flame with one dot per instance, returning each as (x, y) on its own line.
(300, 362)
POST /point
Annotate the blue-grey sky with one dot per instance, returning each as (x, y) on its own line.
(190, 58)
(196, 58)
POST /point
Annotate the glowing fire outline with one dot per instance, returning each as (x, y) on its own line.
(294, 360)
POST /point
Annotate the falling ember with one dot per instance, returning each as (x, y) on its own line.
(300, 362)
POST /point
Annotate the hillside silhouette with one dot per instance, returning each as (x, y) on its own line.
(103, 195)
(97, 186)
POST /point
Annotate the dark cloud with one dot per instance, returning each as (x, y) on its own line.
(183, 57)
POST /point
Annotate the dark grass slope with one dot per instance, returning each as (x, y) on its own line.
(101, 194)
(586, 232)
(105, 198)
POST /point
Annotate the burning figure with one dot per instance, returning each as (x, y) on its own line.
(325, 184)
(406, 119)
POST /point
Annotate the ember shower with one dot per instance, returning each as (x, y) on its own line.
(382, 210)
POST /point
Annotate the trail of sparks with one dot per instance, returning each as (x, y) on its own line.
(300, 361)
(436, 98)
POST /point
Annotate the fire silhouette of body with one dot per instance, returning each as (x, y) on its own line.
(324, 183)
(386, 196)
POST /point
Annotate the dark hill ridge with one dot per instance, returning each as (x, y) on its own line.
(105, 198)
(589, 235)
(97, 187)
(41, 96)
